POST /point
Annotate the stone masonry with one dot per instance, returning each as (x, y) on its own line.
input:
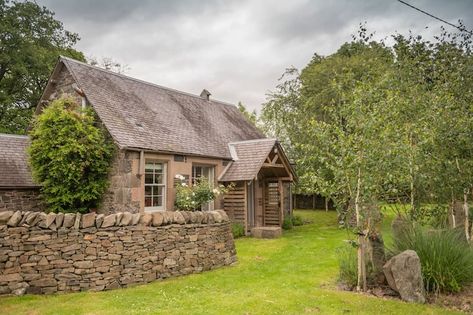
(46, 253)
(20, 199)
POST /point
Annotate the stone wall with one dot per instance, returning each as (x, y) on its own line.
(46, 253)
(20, 199)
(123, 194)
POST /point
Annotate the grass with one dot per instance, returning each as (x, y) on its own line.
(295, 274)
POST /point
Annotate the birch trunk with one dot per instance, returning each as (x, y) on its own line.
(361, 281)
(466, 210)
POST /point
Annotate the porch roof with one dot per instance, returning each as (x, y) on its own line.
(248, 159)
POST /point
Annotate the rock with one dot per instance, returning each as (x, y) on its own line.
(84, 264)
(403, 273)
(88, 220)
(15, 219)
(112, 285)
(118, 218)
(109, 220)
(69, 219)
(178, 218)
(99, 220)
(205, 217)
(199, 217)
(23, 218)
(224, 215)
(146, 219)
(41, 220)
(135, 218)
(77, 221)
(59, 219)
(31, 218)
(50, 218)
(217, 217)
(5, 216)
(157, 219)
(167, 217)
(187, 216)
(193, 216)
(126, 219)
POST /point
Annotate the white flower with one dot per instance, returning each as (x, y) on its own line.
(216, 191)
(184, 184)
(180, 177)
(193, 194)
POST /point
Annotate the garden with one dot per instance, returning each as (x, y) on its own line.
(296, 274)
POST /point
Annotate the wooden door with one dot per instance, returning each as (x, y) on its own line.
(272, 204)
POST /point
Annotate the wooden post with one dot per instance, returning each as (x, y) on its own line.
(245, 206)
(281, 202)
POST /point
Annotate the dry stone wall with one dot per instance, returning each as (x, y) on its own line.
(46, 253)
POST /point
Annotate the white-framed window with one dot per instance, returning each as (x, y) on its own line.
(208, 172)
(155, 186)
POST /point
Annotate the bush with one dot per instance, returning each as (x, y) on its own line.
(192, 198)
(431, 215)
(297, 220)
(287, 223)
(238, 230)
(70, 157)
(445, 256)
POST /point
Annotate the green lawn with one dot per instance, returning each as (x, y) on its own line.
(295, 274)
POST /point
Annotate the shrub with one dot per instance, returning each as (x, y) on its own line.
(297, 220)
(445, 256)
(431, 215)
(287, 222)
(70, 157)
(238, 230)
(191, 198)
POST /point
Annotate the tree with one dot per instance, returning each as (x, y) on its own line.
(31, 40)
(70, 157)
(250, 116)
(373, 123)
(108, 63)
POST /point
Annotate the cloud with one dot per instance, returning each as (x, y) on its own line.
(235, 49)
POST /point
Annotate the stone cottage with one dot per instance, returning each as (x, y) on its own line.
(160, 133)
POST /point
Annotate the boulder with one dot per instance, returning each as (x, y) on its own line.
(5, 216)
(41, 220)
(157, 219)
(403, 273)
(88, 220)
(15, 219)
(109, 220)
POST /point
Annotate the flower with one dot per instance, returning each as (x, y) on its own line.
(183, 184)
(179, 176)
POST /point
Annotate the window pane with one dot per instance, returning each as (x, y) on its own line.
(158, 178)
(148, 201)
(157, 201)
(148, 178)
(158, 191)
(148, 190)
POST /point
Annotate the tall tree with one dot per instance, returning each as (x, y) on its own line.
(31, 40)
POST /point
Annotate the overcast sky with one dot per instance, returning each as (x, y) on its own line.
(236, 49)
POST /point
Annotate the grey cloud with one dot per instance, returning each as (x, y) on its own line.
(236, 49)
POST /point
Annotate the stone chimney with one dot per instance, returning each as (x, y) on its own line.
(205, 94)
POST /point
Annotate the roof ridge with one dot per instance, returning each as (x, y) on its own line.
(143, 81)
(10, 135)
(253, 140)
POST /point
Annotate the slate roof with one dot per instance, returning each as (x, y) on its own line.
(248, 158)
(14, 169)
(146, 116)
